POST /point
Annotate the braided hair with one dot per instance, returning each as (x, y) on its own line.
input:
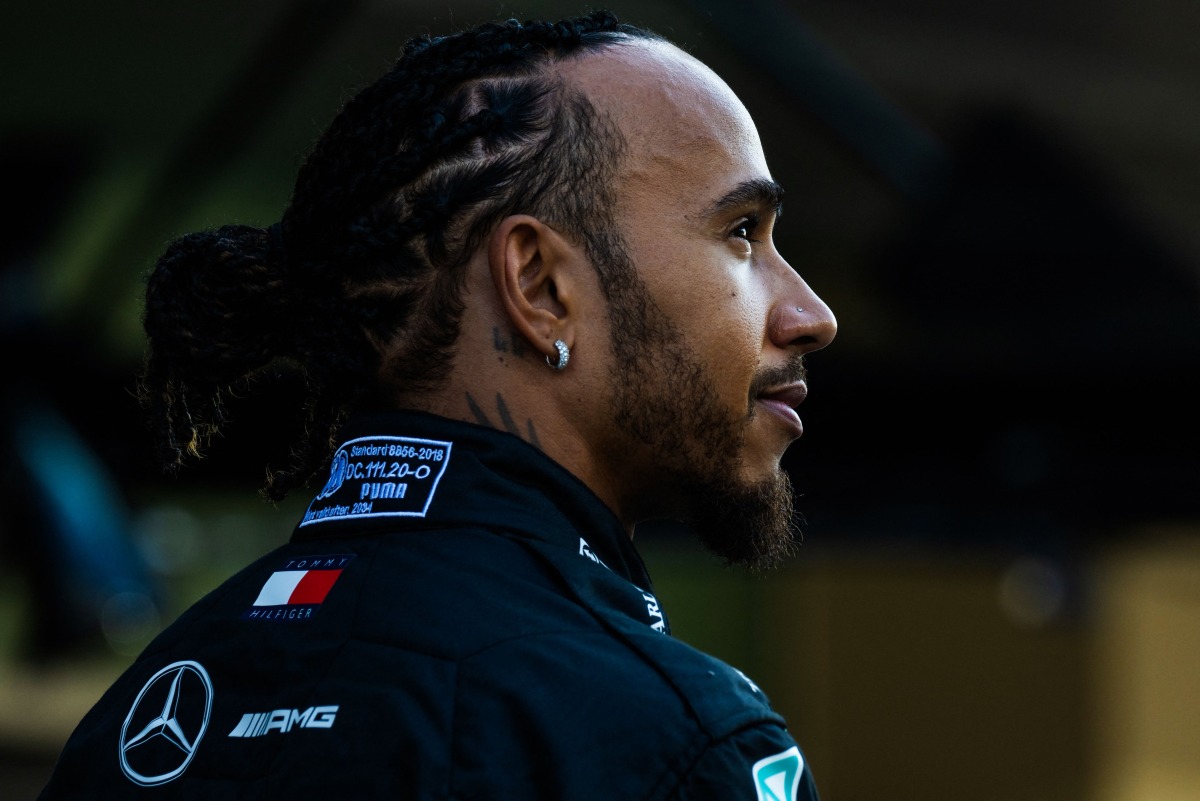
(360, 284)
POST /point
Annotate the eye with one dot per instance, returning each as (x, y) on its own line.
(746, 228)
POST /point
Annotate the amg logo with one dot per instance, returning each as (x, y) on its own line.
(258, 724)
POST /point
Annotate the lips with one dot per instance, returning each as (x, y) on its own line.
(782, 402)
(791, 395)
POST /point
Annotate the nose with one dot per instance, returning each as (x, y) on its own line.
(800, 319)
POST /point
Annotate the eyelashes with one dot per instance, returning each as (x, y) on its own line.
(747, 228)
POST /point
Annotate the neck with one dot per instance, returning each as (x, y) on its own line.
(529, 401)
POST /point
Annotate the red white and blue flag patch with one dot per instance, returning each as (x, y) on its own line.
(299, 589)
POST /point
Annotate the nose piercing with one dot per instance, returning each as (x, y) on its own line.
(800, 310)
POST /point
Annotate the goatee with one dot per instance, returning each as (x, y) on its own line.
(753, 526)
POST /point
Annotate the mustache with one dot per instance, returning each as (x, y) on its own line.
(789, 372)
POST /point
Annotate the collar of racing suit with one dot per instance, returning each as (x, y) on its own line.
(415, 471)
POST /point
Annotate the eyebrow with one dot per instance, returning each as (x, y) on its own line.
(755, 192)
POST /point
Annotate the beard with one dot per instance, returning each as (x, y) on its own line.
(665, 400)
(751, 525)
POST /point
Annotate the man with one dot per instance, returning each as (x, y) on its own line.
(533, 265)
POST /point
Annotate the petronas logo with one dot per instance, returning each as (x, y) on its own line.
(777, 777)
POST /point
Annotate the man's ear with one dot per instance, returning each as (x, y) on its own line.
(533, 271)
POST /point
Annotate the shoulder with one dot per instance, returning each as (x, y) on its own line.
(595, 710)
(755, 764)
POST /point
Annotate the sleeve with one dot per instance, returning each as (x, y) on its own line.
(761, 763)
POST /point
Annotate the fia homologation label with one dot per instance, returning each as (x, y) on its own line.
(380, 477)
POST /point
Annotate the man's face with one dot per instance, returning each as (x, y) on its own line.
(709, 327)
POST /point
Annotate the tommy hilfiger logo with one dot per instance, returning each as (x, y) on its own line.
(297, 591)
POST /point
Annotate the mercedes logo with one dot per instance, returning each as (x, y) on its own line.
(165, 724)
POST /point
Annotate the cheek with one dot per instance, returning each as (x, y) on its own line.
(718, 305)
(747, 306)
(729, 341)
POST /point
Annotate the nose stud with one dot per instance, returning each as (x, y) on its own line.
(800, 310)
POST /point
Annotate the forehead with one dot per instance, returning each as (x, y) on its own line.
(690, 139)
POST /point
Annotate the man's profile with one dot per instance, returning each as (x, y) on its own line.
(529, 277)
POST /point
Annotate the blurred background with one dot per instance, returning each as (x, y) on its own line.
(998, 594)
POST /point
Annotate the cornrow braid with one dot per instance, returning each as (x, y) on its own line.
(360, 283)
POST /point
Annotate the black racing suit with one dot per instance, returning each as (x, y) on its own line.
(455, 617)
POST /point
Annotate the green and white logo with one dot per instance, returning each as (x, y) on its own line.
(777, 777)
